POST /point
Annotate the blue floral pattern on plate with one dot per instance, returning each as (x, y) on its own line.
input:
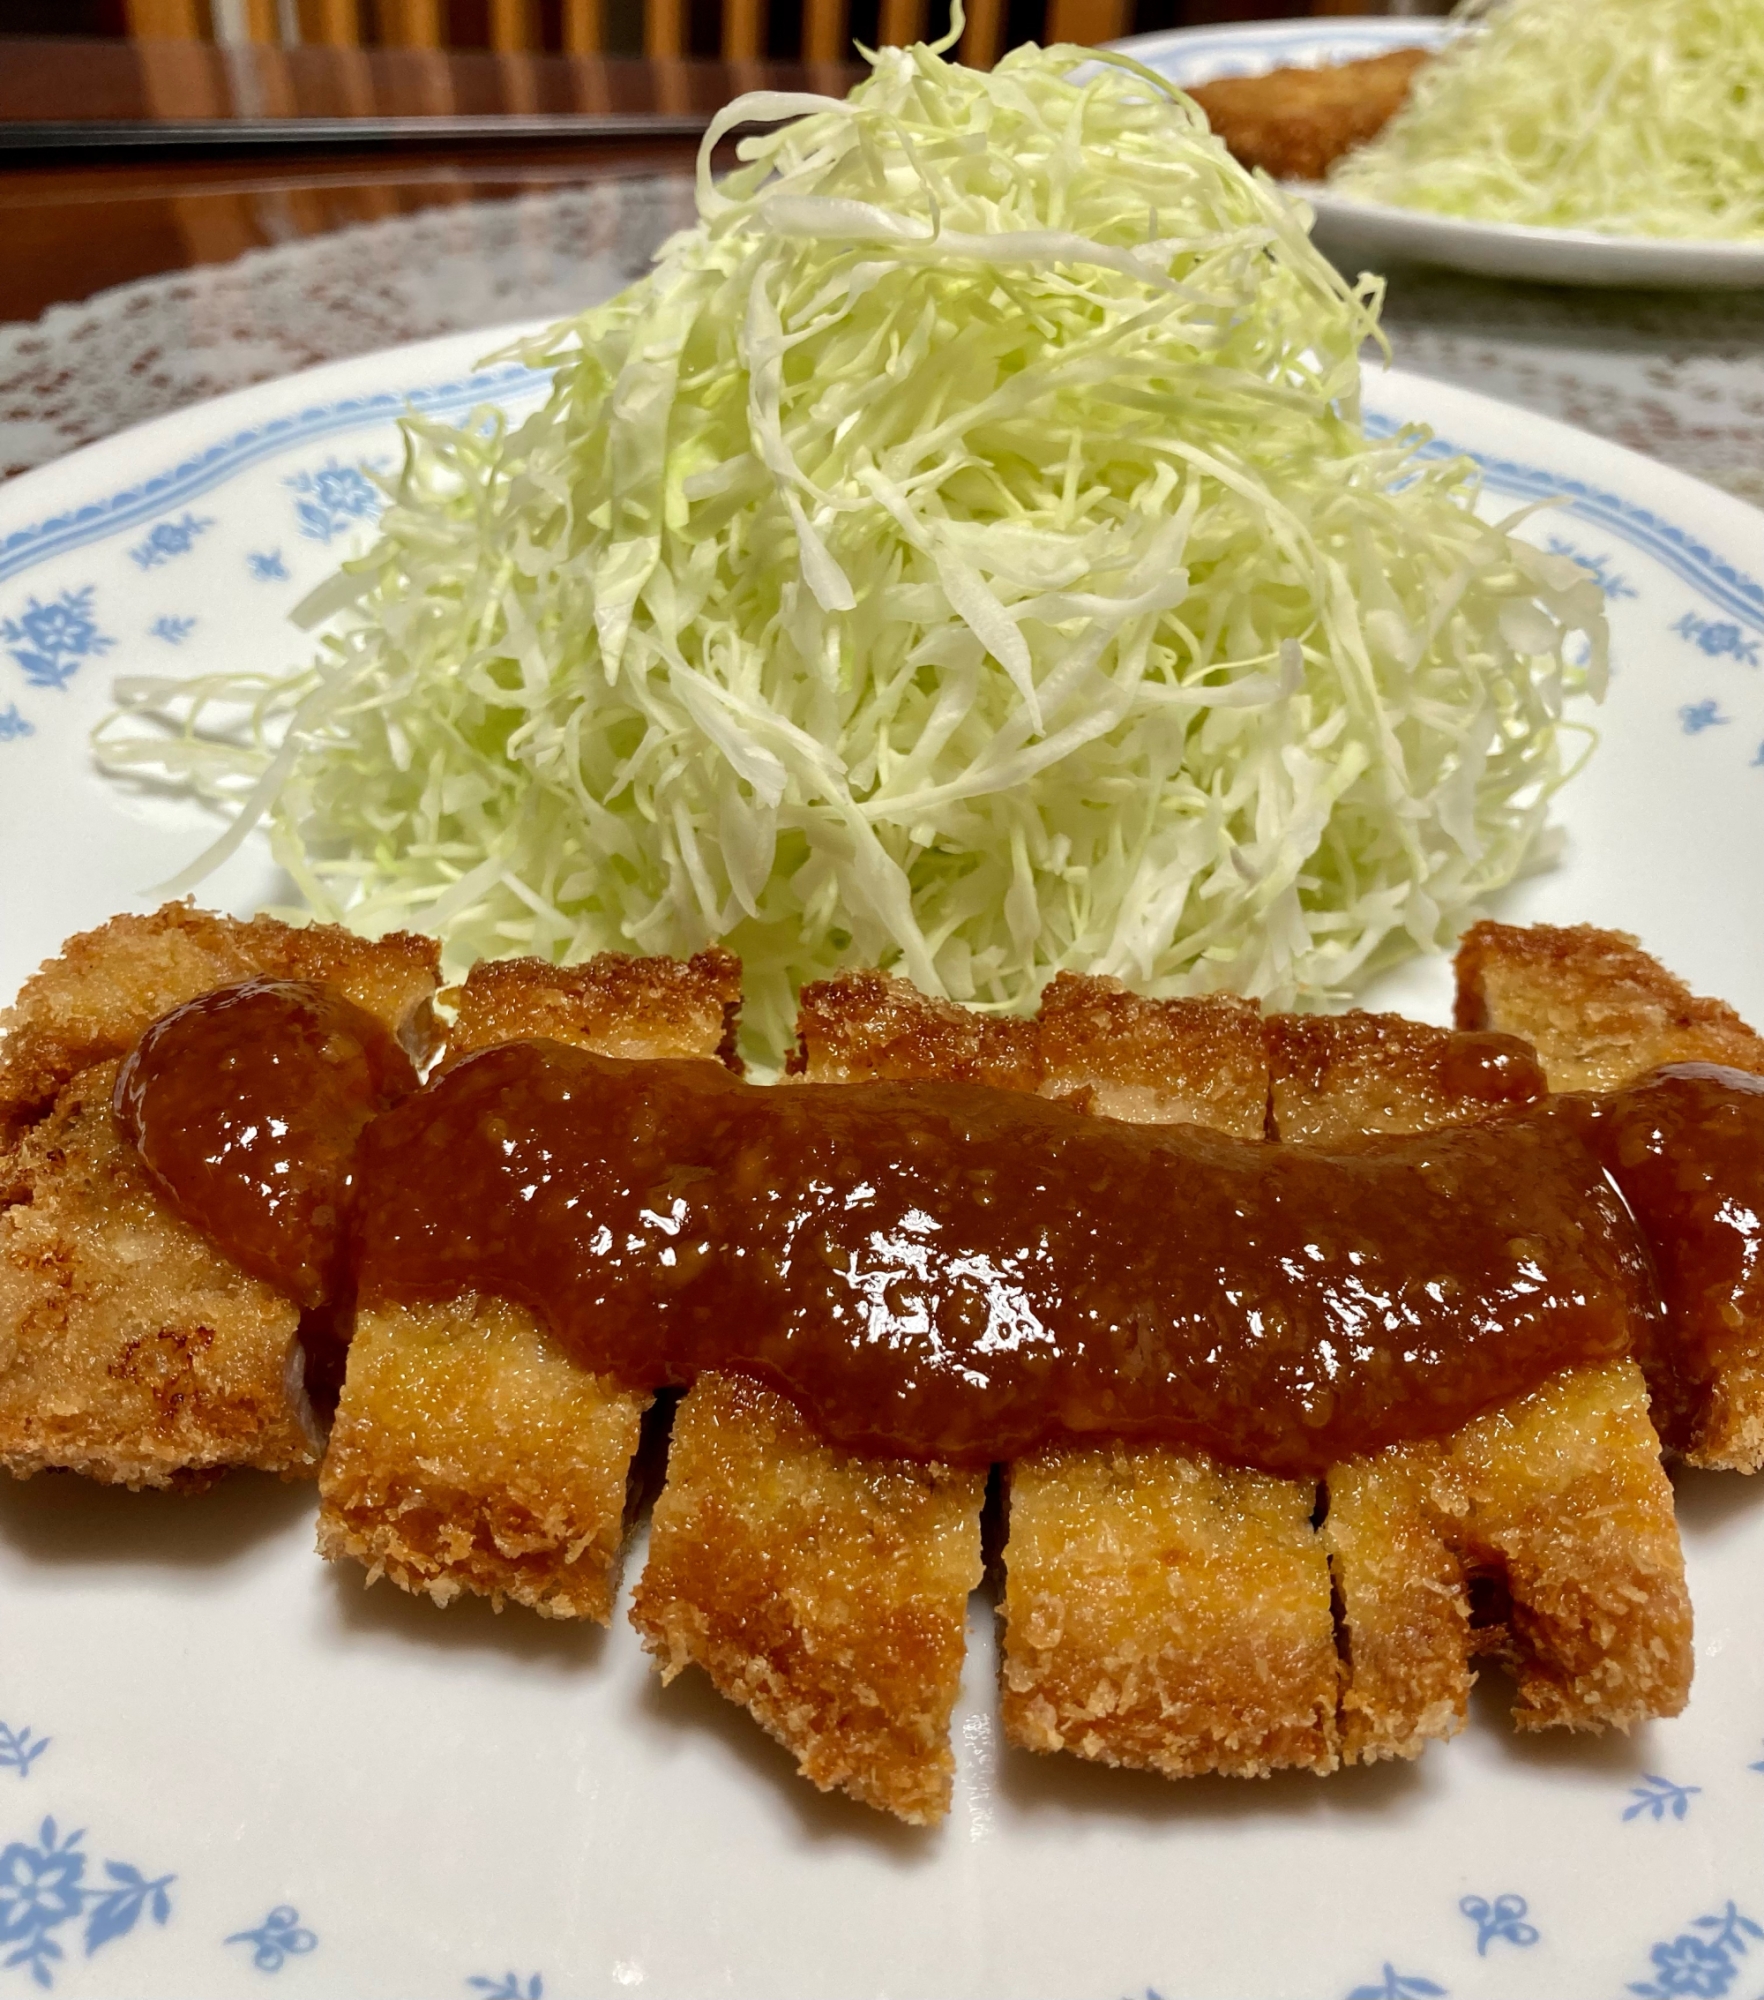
(332, 499)
(43, 1887)
(19, 1749)
(169, 538)
(174, 631)
(509, 1987)
(13, 725)
(1657, 1796)
(266, 566)
(1696, 716)
(1719, 639)
(1503, 1918)
(1399, 1986)
(278, 1938)
(51, 641)
(1705, 1965)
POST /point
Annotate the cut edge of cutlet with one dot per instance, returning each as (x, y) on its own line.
(521, 1492)
(614, 1004)
(131, 1350)
(93, 999)
(1599, 1010)
(1161, 1610)
(1602, 1012)
(823, 1591)
(1555, 1506)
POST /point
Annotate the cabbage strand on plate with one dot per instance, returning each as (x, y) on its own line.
(1630, 117)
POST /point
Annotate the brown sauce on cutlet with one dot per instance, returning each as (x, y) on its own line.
(944, 1270)
(1686, 1145)
(246, 1104)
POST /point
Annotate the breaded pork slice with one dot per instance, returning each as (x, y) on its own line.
(1160, 1609)
(130, 1350)
(1294, 123)
(93, 999)
(1344, 1076)
(1544, 1531)
(470, 1452)
(1601, 1012)
(827, 1593)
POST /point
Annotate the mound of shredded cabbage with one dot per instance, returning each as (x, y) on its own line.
(961, 554)
(1633, 117)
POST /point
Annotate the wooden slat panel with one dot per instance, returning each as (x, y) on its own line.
(584, 27)
(744, 30)
(411, 24)
(183, 78)
(664, 28)
(332, 23)
(514, 25)
(984, 33)
(902, 23)
(1087, 21)
(824, 36)
(167, 20)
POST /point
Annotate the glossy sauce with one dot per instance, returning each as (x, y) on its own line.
(1686, 1145)
(246, 1104)
(948, 1271)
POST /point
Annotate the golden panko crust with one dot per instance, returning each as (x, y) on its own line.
(863, 1027)
(92, 1000)
(470, 1453)
(824, 1592)
(129, 1349)
(1337, 1077)
(1295, 123)
(1161, 1610)
(1601, 1013)
(615, 1005)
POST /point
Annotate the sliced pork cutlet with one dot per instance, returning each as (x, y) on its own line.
(1296, 123)
(131, 1350)
(470, 1451)
(823, 1591)
(1161, 1609)
(92, 1001)
(1543, 1532)
(1602, 1013)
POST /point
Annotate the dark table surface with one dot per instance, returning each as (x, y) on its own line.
(119, 160)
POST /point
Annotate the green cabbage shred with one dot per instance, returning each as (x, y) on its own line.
(1628, 117)
(962, 553)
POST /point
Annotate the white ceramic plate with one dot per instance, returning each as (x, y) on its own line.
(226, 1769)
(1362, 234)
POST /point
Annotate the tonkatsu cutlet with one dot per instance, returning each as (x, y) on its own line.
(826, 1592)
(469, 1452)
(130, 1348)
(1601, 1013)
(1164, 1611)
(1295, 123)
(1160, 1609)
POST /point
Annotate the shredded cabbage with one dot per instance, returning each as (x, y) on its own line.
(963, 554)
(1633, 117)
